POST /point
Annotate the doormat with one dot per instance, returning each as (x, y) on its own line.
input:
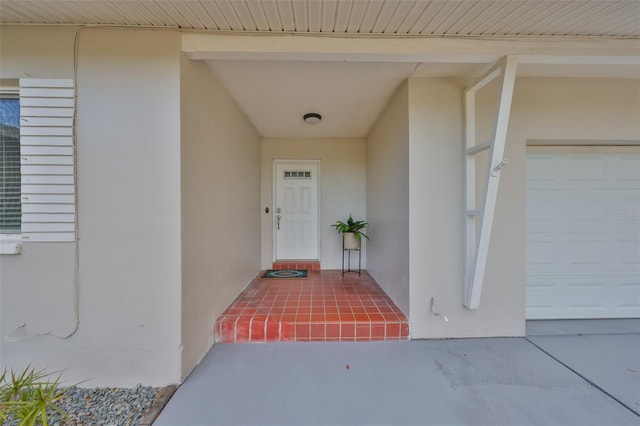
(286, 273)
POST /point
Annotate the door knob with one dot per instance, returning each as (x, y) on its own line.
(278, 221)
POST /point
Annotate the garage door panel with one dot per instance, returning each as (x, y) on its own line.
(630, 254)
(587, 311)
(543, 209)
(628, 169)
(629, 290)
(586, 170)
(582, 252)
(583, 209)
(583, 234)
(583, 296)
(622, 213)
(584, 292)
(600, 210)
(581, 169)
(541, 254)
(541, 168)
(540, 294)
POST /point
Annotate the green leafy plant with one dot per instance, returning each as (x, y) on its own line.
(27, 396)
(354, 226)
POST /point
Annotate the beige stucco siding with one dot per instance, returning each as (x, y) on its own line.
(388, 198)
(128, 159)
(173, 180)
(220, 163)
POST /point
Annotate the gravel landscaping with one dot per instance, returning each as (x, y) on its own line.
(109, 406)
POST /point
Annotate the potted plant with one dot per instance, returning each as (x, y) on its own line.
(352, 232)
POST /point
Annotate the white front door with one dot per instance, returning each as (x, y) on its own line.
(296, 209)
(583, 233)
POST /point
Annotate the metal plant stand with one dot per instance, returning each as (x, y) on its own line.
(349, 258)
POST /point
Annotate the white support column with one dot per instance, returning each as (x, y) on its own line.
(480, 221)
(470, 188)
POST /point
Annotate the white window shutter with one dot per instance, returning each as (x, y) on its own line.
(47, 160)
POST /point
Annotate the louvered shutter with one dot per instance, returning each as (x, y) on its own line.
(47, 159)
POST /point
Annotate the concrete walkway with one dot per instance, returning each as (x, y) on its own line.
(544, 379)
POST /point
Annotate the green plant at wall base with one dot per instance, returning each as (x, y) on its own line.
(26, 396)
(354, 226)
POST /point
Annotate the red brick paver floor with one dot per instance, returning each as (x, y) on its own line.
(327, 306)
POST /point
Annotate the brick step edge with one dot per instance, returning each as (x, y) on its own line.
(311, 266)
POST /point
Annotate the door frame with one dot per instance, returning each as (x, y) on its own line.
(274, 183)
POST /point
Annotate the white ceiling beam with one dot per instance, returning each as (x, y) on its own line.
(444, 50)
(581, 60)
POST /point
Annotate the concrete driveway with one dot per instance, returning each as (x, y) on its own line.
(560, 374)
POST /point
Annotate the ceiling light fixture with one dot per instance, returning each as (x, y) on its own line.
(312, 118)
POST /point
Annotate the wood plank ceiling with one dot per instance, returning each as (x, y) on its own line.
(575, 18)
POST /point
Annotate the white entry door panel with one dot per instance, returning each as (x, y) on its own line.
(296, 215)
(583, 233)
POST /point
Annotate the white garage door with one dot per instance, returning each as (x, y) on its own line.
(583, 232)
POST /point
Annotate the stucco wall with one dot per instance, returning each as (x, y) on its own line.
(581, 108)
(388, 199)
(220, 206)
(436, 219)
(129, 202)
(342, 186)
(543, 109)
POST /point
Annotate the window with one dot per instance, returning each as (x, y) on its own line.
(297, 175)
(10, 192)
(37, 161)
